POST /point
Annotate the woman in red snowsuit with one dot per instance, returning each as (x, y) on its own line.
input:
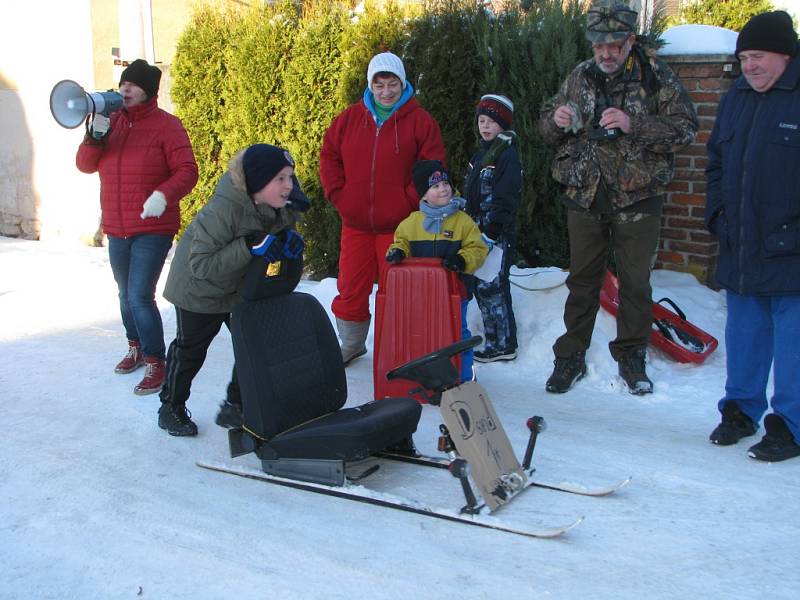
(365, 167)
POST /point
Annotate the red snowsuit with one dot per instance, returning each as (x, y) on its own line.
(147, 150)
(366, 175)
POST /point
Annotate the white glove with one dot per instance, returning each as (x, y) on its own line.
(100, 126)
(154, 206)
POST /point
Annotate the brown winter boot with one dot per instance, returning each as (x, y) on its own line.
(132, 361)
(154, 373)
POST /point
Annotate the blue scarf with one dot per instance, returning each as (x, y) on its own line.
(436, 215)
(369, 102)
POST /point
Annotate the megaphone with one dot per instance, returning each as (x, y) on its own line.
(70, 103)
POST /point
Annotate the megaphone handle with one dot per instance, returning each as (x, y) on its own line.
(93, 104)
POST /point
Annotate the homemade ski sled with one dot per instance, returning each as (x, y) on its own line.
(671, 332)
(293, 387)
(473, 436)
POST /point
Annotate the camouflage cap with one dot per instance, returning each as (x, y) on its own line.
(609, 21)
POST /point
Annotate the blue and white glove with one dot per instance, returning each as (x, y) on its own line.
(270, 247)
(294, 244)
(488, 241)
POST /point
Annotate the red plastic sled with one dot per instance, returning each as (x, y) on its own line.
(671, 332)
(417, 311)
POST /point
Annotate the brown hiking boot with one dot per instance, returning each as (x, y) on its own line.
(154, 373)
(132, 361)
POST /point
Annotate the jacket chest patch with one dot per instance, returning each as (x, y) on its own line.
(448, 234)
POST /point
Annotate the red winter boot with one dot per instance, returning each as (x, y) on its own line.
(154, 372)
(132, 361)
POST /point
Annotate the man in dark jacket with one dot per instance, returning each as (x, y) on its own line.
(753, 207)
(617, 121)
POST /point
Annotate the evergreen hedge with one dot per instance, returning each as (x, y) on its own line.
(731, 14)
(280, 74)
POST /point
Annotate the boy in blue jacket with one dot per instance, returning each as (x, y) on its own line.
(492, 188)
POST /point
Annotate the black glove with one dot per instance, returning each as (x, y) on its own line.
(395, 255)
(493, 230)
(267, 245)
(454, 262)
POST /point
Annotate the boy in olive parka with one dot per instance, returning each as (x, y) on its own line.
(252, 212)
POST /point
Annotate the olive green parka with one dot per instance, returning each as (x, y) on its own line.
(212, 255)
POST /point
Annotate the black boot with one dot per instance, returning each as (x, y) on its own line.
(229, 415)
(632, 370)
(778, 444)
(491, 355)
(177, 420)
(734, 426)
(566, 372)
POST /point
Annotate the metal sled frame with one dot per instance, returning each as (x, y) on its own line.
(471, 435)
(314, 470)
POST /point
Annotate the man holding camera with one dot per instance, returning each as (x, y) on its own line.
(617, 120)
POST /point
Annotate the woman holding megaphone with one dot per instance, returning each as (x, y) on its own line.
(146, 165)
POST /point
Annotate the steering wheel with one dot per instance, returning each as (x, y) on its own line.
(434, 370)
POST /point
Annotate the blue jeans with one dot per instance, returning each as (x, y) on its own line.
(466, 355)
(136, 263)
(763, 332)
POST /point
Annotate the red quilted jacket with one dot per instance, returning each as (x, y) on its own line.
(147, 150)
(366, 171)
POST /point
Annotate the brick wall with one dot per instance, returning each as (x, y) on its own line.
(685, 245)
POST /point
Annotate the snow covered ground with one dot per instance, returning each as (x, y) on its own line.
(97, 502)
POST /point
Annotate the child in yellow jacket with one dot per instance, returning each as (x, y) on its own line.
(441, 229)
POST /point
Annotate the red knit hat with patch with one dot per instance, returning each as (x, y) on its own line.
(498, 108)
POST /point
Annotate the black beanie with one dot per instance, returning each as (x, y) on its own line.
(261, 162)
(427, 173)
(770, 32)
(145, 76)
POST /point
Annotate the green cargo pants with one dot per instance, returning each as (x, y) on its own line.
(633, 238)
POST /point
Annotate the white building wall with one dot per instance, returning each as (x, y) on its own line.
(41, 191)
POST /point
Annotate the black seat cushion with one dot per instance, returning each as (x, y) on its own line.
(351, 433)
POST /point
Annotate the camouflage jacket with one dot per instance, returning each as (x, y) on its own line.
(636, 165)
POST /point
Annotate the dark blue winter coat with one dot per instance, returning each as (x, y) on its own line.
(753, 192)
(493, 190)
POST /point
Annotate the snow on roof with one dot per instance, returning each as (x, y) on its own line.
(698, 39)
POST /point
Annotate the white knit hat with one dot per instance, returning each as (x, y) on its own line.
(386, 62)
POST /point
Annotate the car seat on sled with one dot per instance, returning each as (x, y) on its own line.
(293, 386)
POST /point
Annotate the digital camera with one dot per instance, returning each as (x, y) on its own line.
(601, 133)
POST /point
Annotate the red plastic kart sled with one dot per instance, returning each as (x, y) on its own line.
(671, 332)
(417, 310)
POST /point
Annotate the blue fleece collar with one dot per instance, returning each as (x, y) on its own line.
(369, 101)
